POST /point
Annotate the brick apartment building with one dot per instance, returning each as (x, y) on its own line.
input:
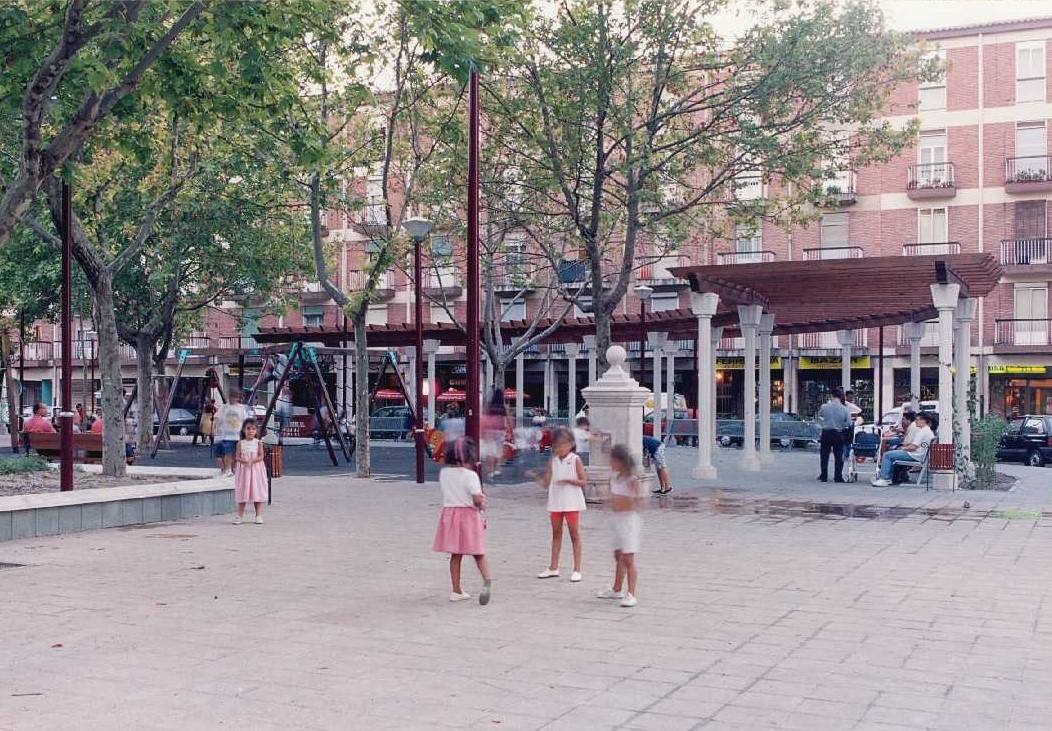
(979, 178)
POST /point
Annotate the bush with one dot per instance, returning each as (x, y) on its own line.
(986, 436)
(22, 463)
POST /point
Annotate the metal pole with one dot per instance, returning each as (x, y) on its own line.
(93, 376)
(66, 414)
(642, 338)
(472, 385)
(21, 362)
(418, 370)
(878, 408)
(343, 394)
(241, 374)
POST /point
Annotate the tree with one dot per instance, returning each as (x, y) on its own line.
(642, 121)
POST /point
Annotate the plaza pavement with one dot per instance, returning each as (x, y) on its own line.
(754, 613)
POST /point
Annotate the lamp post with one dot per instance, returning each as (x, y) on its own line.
(643, 292)
(472, 386)
(66, 402)
(418, 230)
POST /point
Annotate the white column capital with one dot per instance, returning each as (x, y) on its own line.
(588, 341)
(431, 346)
(966, 308)
(749, 315)
(704, 304)
(410, 351)
(914, 331)
(944, 296)
(572, 350)
(846, 338)
(657, 340)
(766, 324)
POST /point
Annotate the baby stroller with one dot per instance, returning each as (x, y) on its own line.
(865, 447)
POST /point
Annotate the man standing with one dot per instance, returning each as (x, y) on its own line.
(227, 425)
(914, 449)
(833, 418)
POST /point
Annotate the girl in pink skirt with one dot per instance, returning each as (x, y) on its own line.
(250, 477)
(461, 528)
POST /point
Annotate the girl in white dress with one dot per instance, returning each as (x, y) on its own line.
(565, 480)
(626, 525)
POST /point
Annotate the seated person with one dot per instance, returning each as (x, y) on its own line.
(38, 423)
(897, 434)
(914, 448)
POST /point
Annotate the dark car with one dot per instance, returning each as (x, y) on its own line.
(787, 430)
(1027, 439)
(391, 422)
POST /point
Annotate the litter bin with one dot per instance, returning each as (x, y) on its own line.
(272, 459)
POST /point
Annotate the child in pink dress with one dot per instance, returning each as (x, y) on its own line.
(250, 477)
(461, 528)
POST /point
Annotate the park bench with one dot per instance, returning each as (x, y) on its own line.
(86, 447)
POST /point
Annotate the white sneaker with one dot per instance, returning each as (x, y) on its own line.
(629, 601)
(576, 576)
(881, 483)
(259, 520)
(237, 520)
(610, 594)
(454, 597)
(548, 574)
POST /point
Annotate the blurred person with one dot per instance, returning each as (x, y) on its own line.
(626, 525)
(654, 452)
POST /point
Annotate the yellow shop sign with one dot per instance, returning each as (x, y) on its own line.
(1014, 368)
(738, 364)
(821, 362)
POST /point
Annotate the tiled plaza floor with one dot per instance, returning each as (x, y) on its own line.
(333, 615)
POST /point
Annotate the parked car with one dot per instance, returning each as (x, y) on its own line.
(391, 422)
(893, 417)
(787, 430)
(1027, 439)
(677, 415)
(181, 422)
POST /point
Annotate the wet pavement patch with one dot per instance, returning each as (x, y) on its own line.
(4, 565)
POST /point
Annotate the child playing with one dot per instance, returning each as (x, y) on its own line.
(250, 477)
(625, 498)
(461, 529)
(565, 480)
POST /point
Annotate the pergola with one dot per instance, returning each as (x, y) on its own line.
(826, 295)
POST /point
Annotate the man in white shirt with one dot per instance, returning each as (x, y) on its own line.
(227, 425)
(914, 448)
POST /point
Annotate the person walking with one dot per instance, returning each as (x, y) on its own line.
(625, 498)
(565, 480)
(206, 424)
(250, 479)
(461, 528)
(227, 425)
(833, 418)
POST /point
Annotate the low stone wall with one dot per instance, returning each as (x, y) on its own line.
(55, 513)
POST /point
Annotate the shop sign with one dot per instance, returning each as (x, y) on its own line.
(1015, 368)
(822, 362)
(738, 364)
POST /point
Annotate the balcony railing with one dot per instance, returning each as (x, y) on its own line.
(374, 214)
(842, 188)
(833, 252)
(38, 350)
(931, 180)
(930, 338)
(1023, 332)
(732, 343)
(655, 270)
(356, 280)
(442, 279)
(1025, 251)
(932, 248)
(508, 277)
(236, 342)
(829, 340)
(744, 257)
(1028, 173)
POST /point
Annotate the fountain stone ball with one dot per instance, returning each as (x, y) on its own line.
(616, 356)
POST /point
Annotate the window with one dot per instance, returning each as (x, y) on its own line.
(1034, 426)
(375, 210)
(1031, 314)
(314, 316)
(441, 245)
(513, 310)
(514, 254)
(439, 315)
(1030, 72)
(664, 301)
(748, 186)
(931, 158)
(931, 227)
(1031, 151)
(932, 94)
(376, 315)
(748, 245)
(834, 235)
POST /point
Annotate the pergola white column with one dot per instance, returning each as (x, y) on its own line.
(555, 387)
(914, 332)
(717, 336)
(749, 319)
(944, 297)
(572, 351)
(670, 389)
(846, 339)
(520, 394)
(589, 344)
(410, 379)
(788, 387)
(704, 306)
(965, 315)
(765, 330)
(657, 344)
(430, 349)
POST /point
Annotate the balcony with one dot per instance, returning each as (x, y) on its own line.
(745, 257)
(829, 340)
(931, 180)
(932, 248)
(374, 216)
(1025, 252)
(840, 191)
(513, 278)
(731, 343)
(237, 342)
(442, 282)
(1026, 333)
(384, 290)
(654, 272)
(833, 252)
(1028, 174)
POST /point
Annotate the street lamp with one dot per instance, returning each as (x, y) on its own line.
(418, 230)
(643, 292)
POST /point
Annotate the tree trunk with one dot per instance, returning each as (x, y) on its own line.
(9, 383)
(110, 374)
(499, 373)
(602, 338)
(361, 395)
(144, 384)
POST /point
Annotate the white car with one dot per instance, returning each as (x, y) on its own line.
(893, 417)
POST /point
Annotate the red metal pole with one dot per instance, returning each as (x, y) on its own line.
(472, 385)
(418, 375)
(66, 414)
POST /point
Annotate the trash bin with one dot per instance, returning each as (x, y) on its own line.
(272, 459)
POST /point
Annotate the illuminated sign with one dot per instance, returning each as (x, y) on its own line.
(817, 362)
(738, 364)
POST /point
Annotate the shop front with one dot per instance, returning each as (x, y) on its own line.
(818, 375)
(1017, 389)
(730, 386)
